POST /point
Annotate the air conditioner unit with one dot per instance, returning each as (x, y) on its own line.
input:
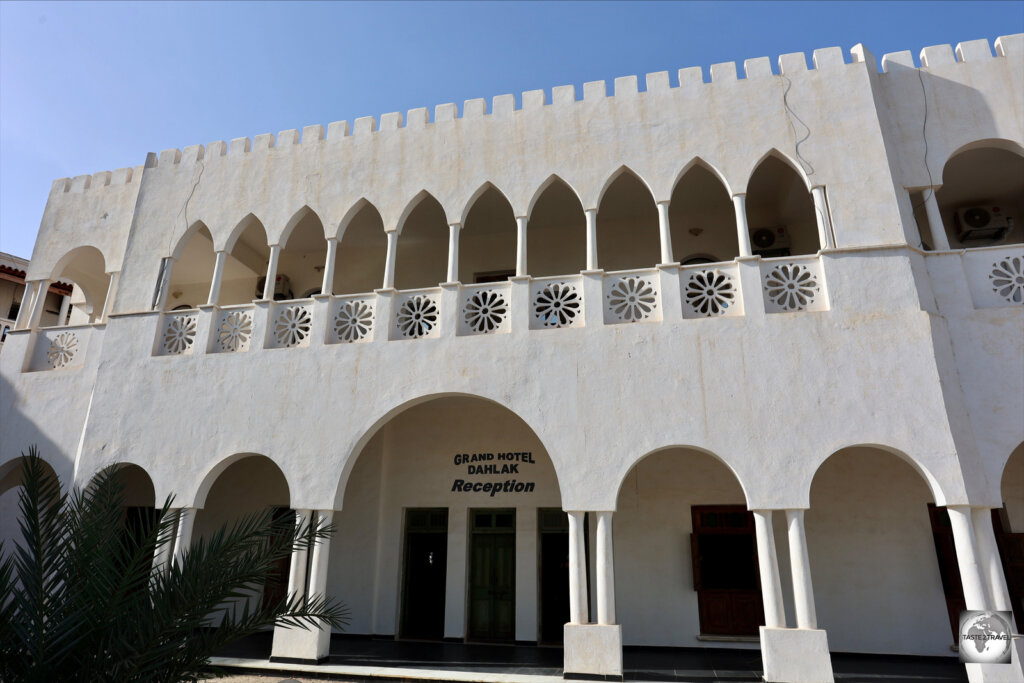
(982, 223)
(769, 242)
(282, 288)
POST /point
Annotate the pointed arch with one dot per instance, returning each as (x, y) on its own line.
(298, 216)
(618, 173)
(479, 192)
(627, 223)
(422, 248)
(362, 249)
(702, 219)
(412, 205)
(784, 158)
(699, 162)
(781, 214)
(543, 187)
(247, 221)
(84, 266)
(350, 215)
(194, 229)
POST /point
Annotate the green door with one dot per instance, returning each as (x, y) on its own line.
(492, 584)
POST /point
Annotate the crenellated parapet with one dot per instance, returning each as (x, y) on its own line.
(86, 211)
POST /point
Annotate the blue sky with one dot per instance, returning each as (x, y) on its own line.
(87, 87)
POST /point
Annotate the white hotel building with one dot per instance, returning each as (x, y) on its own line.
(697, 360)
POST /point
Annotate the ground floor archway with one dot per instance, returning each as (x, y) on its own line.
(450, 529)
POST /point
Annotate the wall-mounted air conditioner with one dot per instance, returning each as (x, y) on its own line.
(982, 224)
(769, 242)
(282, 288)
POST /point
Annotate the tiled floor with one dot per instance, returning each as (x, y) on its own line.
(354, 658)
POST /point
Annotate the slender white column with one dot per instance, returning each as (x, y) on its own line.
(665, 232)
(218, 275)
(389, 263)
(108, 302)
(318, 566)
(521, 246)
(821, 215)
(940, 242)
(591, 215)
(988, 556)
(453, 252)
(803, 591)
(967, 556)
(577, 570)
(183, 537)
(332, 256)
(42, 287)
(605, 570)
(65, 304)
(297, 569)
(27, 301)
(768, 566)
(739, 203)
(271, 282)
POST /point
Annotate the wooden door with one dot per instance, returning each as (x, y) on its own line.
(492, 585)
(725, 574)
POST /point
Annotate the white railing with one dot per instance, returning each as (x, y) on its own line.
(234, 329)
(793, 284)
(995, 276)
(705, 291)
(60, 348)
(177, 333)
(631, 296)
(485, 308)
(290, 324)
(710, 290)
(556, 302)
(417, 314)
(351, 319)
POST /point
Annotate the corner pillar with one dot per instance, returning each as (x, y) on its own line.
(38, 303)
(822, 217)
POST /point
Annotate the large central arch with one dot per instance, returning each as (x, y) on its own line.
(442, 506)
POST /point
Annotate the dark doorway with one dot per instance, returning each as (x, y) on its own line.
(1011, 552)
(492, 583)
(426, 564)
(553, 526)
(725, 574)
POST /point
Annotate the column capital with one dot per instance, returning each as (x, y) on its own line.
(738, 194)
(457, 226)
(333, 238)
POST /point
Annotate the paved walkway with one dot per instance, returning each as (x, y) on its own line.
(357, 659)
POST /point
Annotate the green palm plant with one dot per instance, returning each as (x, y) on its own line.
(80, 599)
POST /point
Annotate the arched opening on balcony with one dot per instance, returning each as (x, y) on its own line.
(362, 249)
(556, 232)
(422, 256)
(981, 200)
(780, 211)
(192, 271)
(1009, 531)
(80, 291)
(627, 225)
(248, 255)
(487, 245)
(303, 253)
(702, 218)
